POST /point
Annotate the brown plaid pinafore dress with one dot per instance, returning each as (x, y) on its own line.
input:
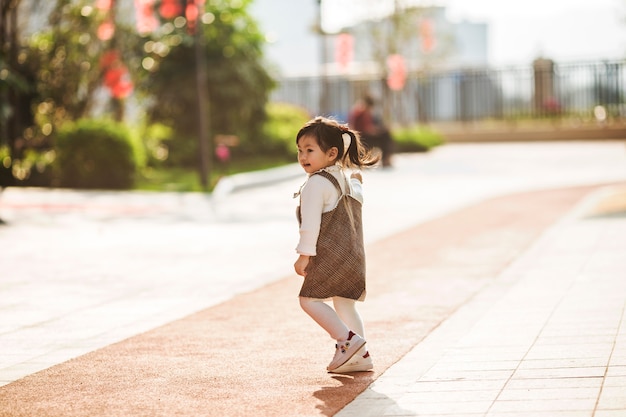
(338, 269)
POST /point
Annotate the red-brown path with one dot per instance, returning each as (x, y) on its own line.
(258, 354)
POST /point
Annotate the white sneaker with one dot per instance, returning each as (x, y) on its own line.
(346, 349)
(358, 363)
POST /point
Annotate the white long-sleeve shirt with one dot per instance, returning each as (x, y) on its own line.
(317, 196)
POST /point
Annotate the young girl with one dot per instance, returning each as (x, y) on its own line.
(332, 257)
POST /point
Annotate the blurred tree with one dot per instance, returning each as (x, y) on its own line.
(88, 48)
(50, 76)
(65, 57)
(13, 84)
(237, 83)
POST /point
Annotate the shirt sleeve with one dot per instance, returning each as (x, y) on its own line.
(315, 193)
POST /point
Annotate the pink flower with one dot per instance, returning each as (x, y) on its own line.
(104, 5)
(146, 19)
(106, 30)
(170, 9)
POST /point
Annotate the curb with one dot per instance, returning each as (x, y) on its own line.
(244, 180)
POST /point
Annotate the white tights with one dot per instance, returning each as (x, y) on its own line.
(337, 322)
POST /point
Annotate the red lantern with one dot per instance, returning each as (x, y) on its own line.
(191, 14)
(106, 30)
(146, 20)
(104, 5)
(113, 76)
(122, 89)
(397, 72)
(427, 35)
(344, 50)
(117, 80)
(116, 76)
(170, 8)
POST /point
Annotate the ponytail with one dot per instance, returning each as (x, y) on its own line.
(358, 155)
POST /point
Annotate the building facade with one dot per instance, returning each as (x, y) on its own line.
(305, 60)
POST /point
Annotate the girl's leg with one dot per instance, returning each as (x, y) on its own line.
(325, 316)
(347, 312)
(348, 343)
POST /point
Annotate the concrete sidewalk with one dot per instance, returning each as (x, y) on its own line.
(258, 354)
(547, 338)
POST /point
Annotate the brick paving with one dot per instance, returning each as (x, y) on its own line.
(546, 338)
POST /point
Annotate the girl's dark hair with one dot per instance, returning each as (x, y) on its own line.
(329, 134)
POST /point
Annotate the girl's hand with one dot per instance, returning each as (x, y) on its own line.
(301, 264)
(357, 175)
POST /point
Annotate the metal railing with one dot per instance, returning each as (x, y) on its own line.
(584, 90)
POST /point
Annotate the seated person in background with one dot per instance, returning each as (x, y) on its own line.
(373, 133)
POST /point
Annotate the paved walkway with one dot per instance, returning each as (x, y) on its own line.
(91, 269)
(546, 338)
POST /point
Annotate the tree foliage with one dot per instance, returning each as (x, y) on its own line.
(238, 84)
(64, 58)
(63, 70)
(96, 154)
(12, 84)
(59, 71)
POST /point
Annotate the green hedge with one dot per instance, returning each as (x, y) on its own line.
(280, 129)
(284, 121)
(416, 139)
(99, 154)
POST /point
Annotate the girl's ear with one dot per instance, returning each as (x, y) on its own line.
(333, 152)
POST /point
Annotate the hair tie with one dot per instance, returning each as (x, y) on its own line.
(347, 140)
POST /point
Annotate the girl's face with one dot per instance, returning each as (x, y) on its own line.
(311, 157)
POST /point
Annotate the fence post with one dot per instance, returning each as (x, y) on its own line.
(543, 70)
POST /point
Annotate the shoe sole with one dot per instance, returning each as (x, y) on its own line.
(356, 349)
(346, 369)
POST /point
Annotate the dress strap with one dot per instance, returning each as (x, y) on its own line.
(330, 177)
